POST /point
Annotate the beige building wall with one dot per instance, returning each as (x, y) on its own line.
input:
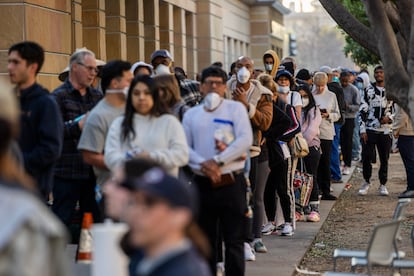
(196, 32)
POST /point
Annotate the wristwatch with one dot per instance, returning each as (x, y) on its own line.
(217, 159)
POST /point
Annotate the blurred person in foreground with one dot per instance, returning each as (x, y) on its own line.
(160, 213)
(28, 228)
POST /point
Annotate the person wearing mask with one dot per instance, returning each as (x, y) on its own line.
(146, 130)
(160, 215)
(375, 115)
(258, 102)
(271, 62)
(352, 101)
(310, 122)
(116, 78)
(219, 135)
(162, 62)
(283, 128)
(74, 180)
(328, 106)
(304, 77)
(284, 79)
(40, 138)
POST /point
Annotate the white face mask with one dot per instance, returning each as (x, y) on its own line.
(211, 101)
(305, 102)
(162, 70)
(283, 89)
(243, 75)
(268, 67)
(115, 91)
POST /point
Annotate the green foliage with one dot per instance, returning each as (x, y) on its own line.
(361, 56)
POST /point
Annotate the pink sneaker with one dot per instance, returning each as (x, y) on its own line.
(314, 217)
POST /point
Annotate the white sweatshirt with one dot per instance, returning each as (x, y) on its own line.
(162, 137)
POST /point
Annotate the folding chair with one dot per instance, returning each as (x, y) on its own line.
(381, 249)
(349, 253)
(405, 264)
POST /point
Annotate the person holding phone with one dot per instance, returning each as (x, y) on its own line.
(329, 108)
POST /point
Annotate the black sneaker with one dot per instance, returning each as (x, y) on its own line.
(407, 194)
(328, 197)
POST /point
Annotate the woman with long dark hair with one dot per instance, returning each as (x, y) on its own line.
(310, 122)
(147, 130)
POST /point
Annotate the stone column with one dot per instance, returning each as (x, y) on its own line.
(134, 10)
(115, 30)
(179, 37)
(93, 18)
(151, 27)
(77, 33)
(191, 43)
(210, 32)
(166, 22)
(45, 22)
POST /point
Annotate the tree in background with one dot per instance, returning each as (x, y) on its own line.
(389, 35)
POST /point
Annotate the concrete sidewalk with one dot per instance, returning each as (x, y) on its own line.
(284, 253)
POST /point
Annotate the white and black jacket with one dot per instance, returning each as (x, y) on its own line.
(374, 106)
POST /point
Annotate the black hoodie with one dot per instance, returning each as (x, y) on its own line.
(41, 135)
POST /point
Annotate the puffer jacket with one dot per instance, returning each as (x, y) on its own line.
(260, 110)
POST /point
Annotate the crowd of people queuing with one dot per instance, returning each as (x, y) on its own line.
(195, 168)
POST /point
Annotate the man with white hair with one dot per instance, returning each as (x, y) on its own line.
(74, 180)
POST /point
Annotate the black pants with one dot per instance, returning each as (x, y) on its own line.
(347, 133)
(383, 143)
(279, 181)
(311, 163)
(324, 168)
(406, 146)
(66, 192)
(225, 206)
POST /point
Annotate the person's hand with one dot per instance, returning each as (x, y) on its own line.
(385, 120)
(364, 137)
(220, 145)
(240, 95)
(82, 121)
(211, 169)
(325, 115)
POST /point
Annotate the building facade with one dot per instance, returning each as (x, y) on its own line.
(196, 32)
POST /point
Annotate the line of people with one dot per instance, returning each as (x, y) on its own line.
(228, 139)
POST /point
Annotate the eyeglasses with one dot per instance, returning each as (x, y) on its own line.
(211, 82)
(89, 68)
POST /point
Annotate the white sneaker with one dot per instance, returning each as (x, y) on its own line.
(287, 230)
(220, 269)
(364, 189)
(346, 171)
(268, 228)
(383, 190)
(248, 253)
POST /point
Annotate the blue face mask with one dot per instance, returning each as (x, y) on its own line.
(335, 79)
(360, 85)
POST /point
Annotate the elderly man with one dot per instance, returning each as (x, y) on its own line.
(74, 180)
(219, 135)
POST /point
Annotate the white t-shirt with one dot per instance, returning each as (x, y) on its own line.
(294, 99)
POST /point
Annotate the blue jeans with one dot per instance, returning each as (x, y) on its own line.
(356, 143)
(406, 146)
(335, 162)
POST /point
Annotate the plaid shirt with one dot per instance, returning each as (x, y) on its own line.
(190, 92)
(72, 105)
